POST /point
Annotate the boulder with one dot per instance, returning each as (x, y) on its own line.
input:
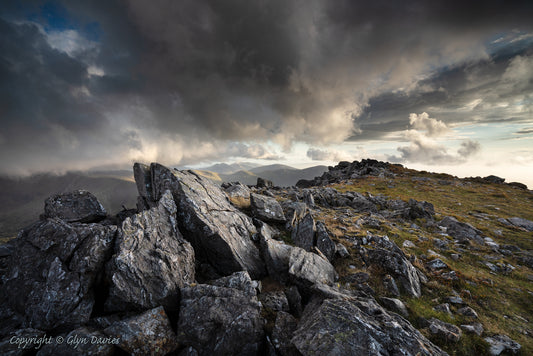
(52, 272)
(357, 326)
(276, 255)
(306, 269)
(219, 232)
(220, 321)
(264, 183)
(436, 264)
(152, 260)
(274, 300)
(294, 211)
(387, 255)
(467, 311)
(324, 242)
(143, 180)
(284, 327)
(520, 222)
(238, 280)
(420, 210)
(303, 234)
(77, 206)
(501, 343)
(238, 194)
(461, 231)
(81, 342)
(444, 330)
(266, 208)
(475, 328)
(149, 333)
(395, 305)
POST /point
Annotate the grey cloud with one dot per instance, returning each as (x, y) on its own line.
(525, 131)
(317, 154)
(468, 148)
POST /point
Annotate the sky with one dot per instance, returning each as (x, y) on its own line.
(444, 85)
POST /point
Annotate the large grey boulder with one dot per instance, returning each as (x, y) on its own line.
(77, 206)
(303, 234)
(217, 320)
(520, 222)
(152, 260)
(357, 326)
(238, 194)
(307, 269)
(52, 272)
(501, 343)
(387, 255)
(276, 255)
(444, 330)
(219, 232)
(149, 333)
(266, 208)
(463, 232)
(324, 242)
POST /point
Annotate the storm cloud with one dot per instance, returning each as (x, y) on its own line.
(91, 83)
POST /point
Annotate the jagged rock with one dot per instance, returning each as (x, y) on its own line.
(324, 242)
(149, 333)
(386, 254)
(266, 208)
(303, 234)
(143, 180)
(357, 326)
(455, 300)
(436, 264)
(23, 342)
(264, 183)
(51, 274)
(467, 311)
(219, 232)
(152, 261)
(308, 198)
(501, 343)
(284, 327)
(447, 331)
(82, 342)
(408, 244)
(77, 206)
(445, 308)
(275, 300)
(238, 280)
(395, 305)
(295, 300)
(294, 211)
(461, 231)
(342, 251)
(276, 255)
(475, 328)
(520, 222)
(420, 210)
(219, 321)
(390, 285)
(306, 269)
(238, 194)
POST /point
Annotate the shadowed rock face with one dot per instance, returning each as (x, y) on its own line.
(219, 233)
(152, 261)
(78, 206)
(52, 271)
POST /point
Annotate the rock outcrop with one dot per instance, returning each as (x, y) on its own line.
(78, 206)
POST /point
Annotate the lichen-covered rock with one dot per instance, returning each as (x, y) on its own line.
(81, 342)
(77, 206)
(220, 321)
(306, 269)
(266, 208)
(276, 255)
(324, 242)
(475, 328)
(274, 300)
(238, 194)
(357, 326)
(303, 234)
(463, 232)
(149, 333)
(152, 260)
(501, 343)
(446, 331)
(238, 280)
(52, 272)
(219, 232)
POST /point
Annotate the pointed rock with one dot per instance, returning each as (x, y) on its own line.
(266, 208)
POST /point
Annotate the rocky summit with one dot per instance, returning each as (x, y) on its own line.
(370, 258)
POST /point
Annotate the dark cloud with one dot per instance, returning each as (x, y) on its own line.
(206, 79)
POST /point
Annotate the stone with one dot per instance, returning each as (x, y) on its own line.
(238, 280)
(357, 326)
(395, 305)
(266, 208)
(264, 183)
(324, 242)
(220, 321)
(520, 222)
(390, 285)
(152, 261)
(82, 341)
(284, 327)
(420, 210)
(143, 180)
(436, 264)
(294, 211)
(276, 255)
(501, 343)
(295, 300)
(149, 333)
(408, 244)
(219, 233)
(467, 311)
(463, 232)
(444, 330)
(51, 274)
(445, 308)
(455, 300)
(274, 300)
(238, 194)
(303, 234)
(475, 328)
(308, 198)
(342, 251)
(77, 206)
(306, 269)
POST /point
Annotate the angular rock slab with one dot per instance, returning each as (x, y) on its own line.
(152, 261)
(149, 333)
(77, 206)
(52, 271)
(220, 321)
(446, 331)
(219, 232)
(463, 232)
(266, 208)
(358, 327)
(238, 194)
(307, 269)
(501, 343)
(303, 234)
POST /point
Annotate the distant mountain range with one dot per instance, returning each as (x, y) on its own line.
(23, 198)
